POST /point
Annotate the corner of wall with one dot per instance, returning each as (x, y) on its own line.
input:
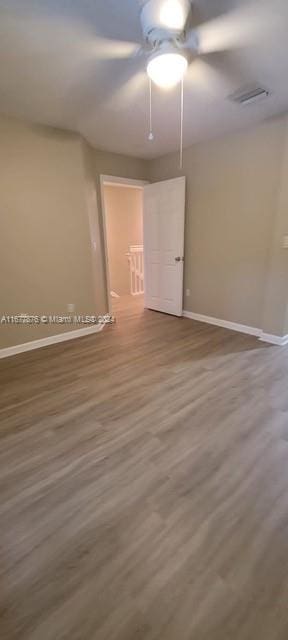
(95, 228)
(274, 317)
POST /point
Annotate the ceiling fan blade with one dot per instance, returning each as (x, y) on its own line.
(237, 28)
(219, 73)
(106, 49)
(128, 95)
(126, 92)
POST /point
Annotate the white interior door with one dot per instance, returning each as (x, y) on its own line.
(163, 225)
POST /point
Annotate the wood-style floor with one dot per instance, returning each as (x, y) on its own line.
(144, 486)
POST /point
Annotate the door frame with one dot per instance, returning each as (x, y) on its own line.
(119, 182)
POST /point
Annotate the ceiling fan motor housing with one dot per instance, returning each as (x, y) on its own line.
(166, 32)
(165, 47)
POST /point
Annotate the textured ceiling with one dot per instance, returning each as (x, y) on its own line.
(56, 68)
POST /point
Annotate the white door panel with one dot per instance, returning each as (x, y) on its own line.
(163, 222)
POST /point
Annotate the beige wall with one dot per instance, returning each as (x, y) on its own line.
(233, 186)
(123, 211)
(48, 213)
(44, 236)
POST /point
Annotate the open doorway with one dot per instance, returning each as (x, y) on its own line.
(122, 205)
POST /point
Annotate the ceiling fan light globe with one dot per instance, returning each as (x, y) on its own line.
(167, 69)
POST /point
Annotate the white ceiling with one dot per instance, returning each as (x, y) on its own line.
(53, 70)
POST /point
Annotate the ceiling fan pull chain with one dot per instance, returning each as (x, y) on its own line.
(151, 136)
(181, 121)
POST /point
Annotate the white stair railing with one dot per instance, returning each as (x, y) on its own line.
(136, 267)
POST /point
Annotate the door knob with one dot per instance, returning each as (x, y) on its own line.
(179, 259)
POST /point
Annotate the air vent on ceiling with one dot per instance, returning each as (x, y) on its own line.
(250, 95)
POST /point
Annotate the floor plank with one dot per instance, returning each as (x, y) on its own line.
(144, 485)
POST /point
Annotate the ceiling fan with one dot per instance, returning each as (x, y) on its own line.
(171, 43)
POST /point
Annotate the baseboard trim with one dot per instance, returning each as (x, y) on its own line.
(225, 324)
(45, 342)
(280, 341)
